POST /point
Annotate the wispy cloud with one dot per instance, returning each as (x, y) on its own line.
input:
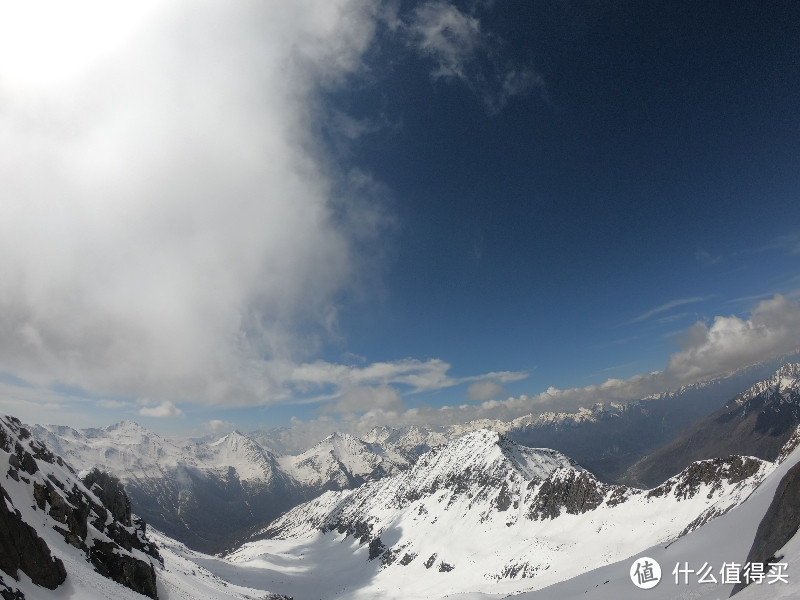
(485, 390)
(706, 258)
(667, 306)
(462, 51)
(729, 343)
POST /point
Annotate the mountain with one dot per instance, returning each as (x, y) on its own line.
(610, 437)
(723, 541)
(410, 442)
(208, 494)
(480, 517)
(66, 537)
(483, 514)
(342, 461)
(50, 519)
(758, 421)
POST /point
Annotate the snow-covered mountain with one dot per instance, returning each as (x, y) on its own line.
(483, 514)
(66, 537)
(342, 461)
(757, 421)
(410, 441)
(207, 494)
(480, 518)
(211, 493)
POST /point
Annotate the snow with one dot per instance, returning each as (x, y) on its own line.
(725, 539)
(339, 459)
(179, 578)
(488, 549)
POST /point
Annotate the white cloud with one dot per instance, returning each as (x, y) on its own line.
(485, 390)
(218, 426)
(732, 342)
(361, 399)
(449, 36)
(462, 51)
(113, 404)
(164, 410)
(410, 374)
(169, 226)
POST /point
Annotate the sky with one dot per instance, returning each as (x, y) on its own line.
(345, 213)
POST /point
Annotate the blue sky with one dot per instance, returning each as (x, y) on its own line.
(348, 213)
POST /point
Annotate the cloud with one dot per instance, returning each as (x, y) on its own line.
(410, 374)
(732, 342)
(450, 37)
(218, 426)
(668, 306)
(485, 390)
(112, 404)
(462, 51)
(164, 410)
(362, 399)
(171, 227)
(706, 258)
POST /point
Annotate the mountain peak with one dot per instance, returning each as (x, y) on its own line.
(785, 380)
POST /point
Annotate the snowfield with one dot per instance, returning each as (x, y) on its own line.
(468, 521)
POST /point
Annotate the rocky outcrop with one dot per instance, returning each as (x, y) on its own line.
(779, 525)
(93, 515)
(575, 492)
(21, 549)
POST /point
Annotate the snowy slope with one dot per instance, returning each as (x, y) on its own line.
(211, 494)
(342, 461)
(726, 539)
(88, 534)
(785, 382)
(483, 515)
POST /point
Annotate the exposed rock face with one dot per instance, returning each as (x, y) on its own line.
(123, 568)
(74, 508)
(575, 492)
(21, 549)
(779, 524)
(111, 493)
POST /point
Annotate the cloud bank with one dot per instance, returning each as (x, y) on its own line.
(173, 228)
(707, 351)
(170, 226)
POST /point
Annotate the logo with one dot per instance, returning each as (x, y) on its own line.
(645, 573)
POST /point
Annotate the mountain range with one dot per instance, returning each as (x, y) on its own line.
(409, 513)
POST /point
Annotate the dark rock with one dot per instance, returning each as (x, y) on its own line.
(376, 548)
(503, 501)
(779, 524)
(9, 593)
(122, 568)
(576, 493)
(407, 558)
(111, 493)
(21, 548)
